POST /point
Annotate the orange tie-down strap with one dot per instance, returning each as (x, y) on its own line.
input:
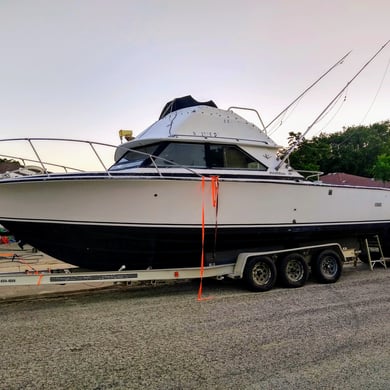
(15, 258)
(7, 255)
(214, 200)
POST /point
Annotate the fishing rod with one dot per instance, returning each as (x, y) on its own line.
(339, 62)
(300, 139)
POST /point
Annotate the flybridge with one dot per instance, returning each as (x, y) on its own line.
(207, 122)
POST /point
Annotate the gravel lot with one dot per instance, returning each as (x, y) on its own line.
(316, 337)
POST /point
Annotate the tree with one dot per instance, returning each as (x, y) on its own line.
(381, 168)
(354, 150)
(310, 153)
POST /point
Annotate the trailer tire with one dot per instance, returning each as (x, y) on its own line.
(259, 274)
(327, 267)
(293, 270)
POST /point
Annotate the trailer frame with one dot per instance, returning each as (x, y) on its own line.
(237, 270)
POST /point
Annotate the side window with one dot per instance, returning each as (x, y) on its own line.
(134, 158)
(192, 155)
(225, 156)
(188, 155)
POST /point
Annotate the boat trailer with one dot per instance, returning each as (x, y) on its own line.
(259, 270)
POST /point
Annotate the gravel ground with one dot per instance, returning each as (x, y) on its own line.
(316, 337)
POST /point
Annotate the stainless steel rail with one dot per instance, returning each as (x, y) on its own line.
(46, 165)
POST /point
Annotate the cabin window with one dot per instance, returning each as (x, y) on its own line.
(226, 156)
(184, 154)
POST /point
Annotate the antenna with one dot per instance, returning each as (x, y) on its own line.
(298, 142)
(339, 62)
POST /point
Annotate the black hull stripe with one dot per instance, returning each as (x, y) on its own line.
(198, 225)
(110, 247)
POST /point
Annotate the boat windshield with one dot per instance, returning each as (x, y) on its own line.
(189, 155)
(135, 157)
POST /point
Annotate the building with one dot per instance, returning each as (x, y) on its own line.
(352, 180)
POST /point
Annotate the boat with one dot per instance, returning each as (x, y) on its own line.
(200, 180)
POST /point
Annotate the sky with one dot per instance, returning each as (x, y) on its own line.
(84, 69)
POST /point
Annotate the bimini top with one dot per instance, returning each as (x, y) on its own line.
(183, 102)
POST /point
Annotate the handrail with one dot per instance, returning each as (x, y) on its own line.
(315, 174)
(43, 164)
(250, 109)
(46, 164)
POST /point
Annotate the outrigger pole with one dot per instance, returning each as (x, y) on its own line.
(300, 139)
(339, 62)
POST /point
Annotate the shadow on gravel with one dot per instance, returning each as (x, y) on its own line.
(144, 290)
(152, 290)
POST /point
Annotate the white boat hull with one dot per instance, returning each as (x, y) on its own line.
(104, 222)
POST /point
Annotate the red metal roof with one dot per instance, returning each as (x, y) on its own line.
(352, 180)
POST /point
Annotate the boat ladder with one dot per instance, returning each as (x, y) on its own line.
(374, 252)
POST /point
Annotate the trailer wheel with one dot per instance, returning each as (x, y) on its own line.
(327, 267)
(293, 270)
(259, 273)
